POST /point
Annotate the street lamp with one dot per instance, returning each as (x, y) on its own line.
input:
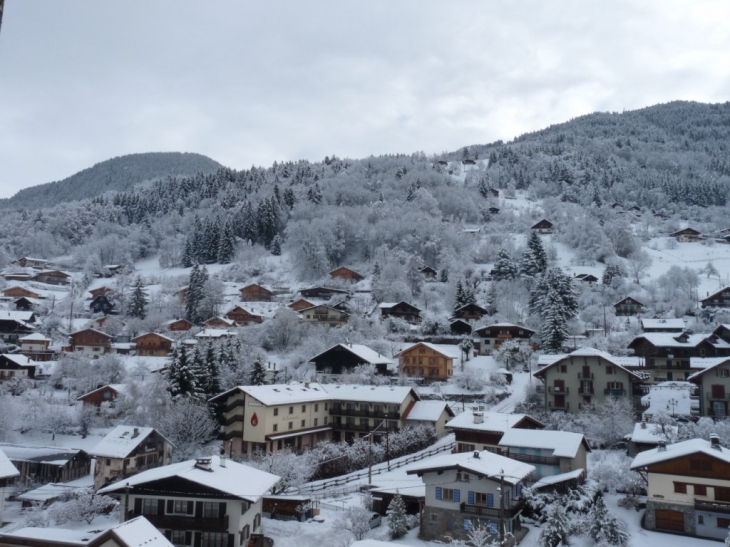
(673, 402)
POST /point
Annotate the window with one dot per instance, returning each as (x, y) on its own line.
(179, 507)
(609, 369)
(214, 539)
(480, 498)
(325, 420)
(564, 368)
(723, 372)
(326, 406)
(211, 509)
(276, 412)
(722, 494)
(275, 427)
(257, 521)
(462, 477)
(433, 517)
(304, 408)
(316, 420)
(291, 425)
(316, 407)
(179, 537)
(291, 410)
(700, 465)
(450, 494)
(723, 523)
(245, 533)
(149, 506)
(680, 487)
(304, 422)
(700, 519)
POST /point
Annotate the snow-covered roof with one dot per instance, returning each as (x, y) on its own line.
(96, 331)
(646, 433)
(7, 469)
(592, 352)
(47, 492)
(234, 479)
(493, 421)
(363, 352)
(213, 333)
(16, 315)
(121, 441)
(139, 532)
(662, 323)
(679, 450)
(717, 292)
(156, 334)
(373, 394)
(119, 388)
(562, 443)
(706, 363)
(225, 320)
(625, 361)
(282, 394)
(19, 359)
(58, 536)
(483, 463)
(428, 411)
(448, 350)
(671, 339)
(44, 454)
(556, 479)
(35, 337)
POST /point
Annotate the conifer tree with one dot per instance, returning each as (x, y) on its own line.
(180, 376)
(226, 244)
(604, 528)
(539, 256)
(491, 306)
(460, 297)
(397, 518)
(248, 228)
(276, 245)
(504, 268)
(444, 277)
(188, 257)
(556, 532)
(196, 294)
(258, 373)
(200, 374)
(289, 198)
(138, 305)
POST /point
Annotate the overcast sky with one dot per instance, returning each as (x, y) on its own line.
(252, 82)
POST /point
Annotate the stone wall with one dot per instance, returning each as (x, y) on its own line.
(690, 522)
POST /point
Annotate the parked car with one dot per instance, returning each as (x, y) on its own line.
(375, 520)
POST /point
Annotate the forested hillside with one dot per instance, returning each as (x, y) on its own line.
(119, 174)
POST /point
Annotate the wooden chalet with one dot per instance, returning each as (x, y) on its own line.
(687, 235)
(28, 262)
(493, 336)
(325, 293)
(493, 192)
(301, 304)
(52, 277)
(219, 323)
(493, 210)
(25, 303)
(400, 310)
(479, 430)
(346, 274)
(43, 464)
(16, 365)
(36, 346)
(470, 312)
(459, 326)
(15, 324)
(718, 299)
(17, 292)
(345, 357)
(325, 315)
(100, 290)
(242, 317)
(428, 361)
(590, 279)
(17, 276)
(91, 341)
(428, 272)
(256, 293)
(153, 344)
(110, 270)
(543, 227)
(628, 306)
(102, 304)
(103, 394)
(178, 325)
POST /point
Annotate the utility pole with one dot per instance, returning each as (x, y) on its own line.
(370, 452)
(501, 506)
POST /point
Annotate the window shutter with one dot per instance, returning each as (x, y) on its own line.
(438, 492)
(188, 538)
(160, 507)
(170, 506)
(199, 509)
(470, 498)
(168, 535)
(490, 500)
(196, 541)
(191, 507)
(222, 509)
(137, 506)
(231, 540)
(457, 495)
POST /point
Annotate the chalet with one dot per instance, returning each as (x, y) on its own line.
(91, 341)
(428, 361)
(358, 410)
(543, 227)
(687, 235)
(346, 274)
(399, 310)
(25, 303)
(493, 336)
(433, 413)
(17, 276)
(104, 394)
(662, 325)
(52, 277)
(718, 299)
(555, 454)
(178, 325)
(152, 343)
(219, 323)
(628, 306)
(28, 262)
(213, 334)
(14, 325)
(440, 164)
(325, 293)
(428, 272)
(255, 293)
(324, 315)
(275, 417)
(42, 464)
(459, 326)
(469, 491)
(36, 346)
(100, 290)
(584, 377)
(17, 291)
(478, 430)
(470, 312)
(301, 304)
(102, 304)
(345, 357)
(590, 279)
(688, 487)
(128, 450)
(242, 317)
(132, 533)
(8, 473)
(110, 270)
(209, 502)
(493, 210)
(714, 388)
(16, 365)
(647, 436)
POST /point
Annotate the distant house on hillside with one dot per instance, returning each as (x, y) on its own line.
(16, 365)
(428, 361)
(26, 304)
(493, 336)
(255, 293)
(459, 326)
(399, 310)
(687, 235)
(428, 272)
(52, 277)
(99, 291)
(470, 312)
(15, 325)
(178, 325)
(17, 292)
(154, 344)
(346, 274)
(324, 293)
(718, 299)
(47, 464)
(590, 279)
(477, 430)
(91, 341)
(628, 306)
(543, 227)
(219, 323)
(104, 394)
(301, 304)
(36, 346)
(345, 357)
(325, 315)
(662, 325)
(102, 304)
(28, 262)
(242, 317)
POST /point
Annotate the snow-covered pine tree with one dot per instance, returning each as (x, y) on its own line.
(539, 256)
(276, 245)
(460, 296)
(188, 256)
(556, 532)
(604, 528)
(258, 373)
(491, 306)
(528, 266)
(289, 198)
(554, 329)
(138, 304)
(226, 243)
(212, 239)
(248, 227)
(180, 377)
(199, 241)
(444, 277)
(200, 374)
(397, 518)
(196, 294)
(504, 268)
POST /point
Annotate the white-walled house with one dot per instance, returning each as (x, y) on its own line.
(209, 501)
(463, 493)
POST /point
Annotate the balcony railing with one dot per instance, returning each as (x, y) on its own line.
(183, 522)
(585, 390)
(493, 512)
(582, 376)
(712, 506)
(342, 411)
(711, 397)
(615, 392)
(559, 390)
(533, 458)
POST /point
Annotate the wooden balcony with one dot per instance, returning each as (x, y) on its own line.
(533, 458)
(582, 390)
(559, 390)
(712, 506)
(491, 512)
(614, 392)
(184, 522)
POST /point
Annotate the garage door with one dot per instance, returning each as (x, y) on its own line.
(670, 520)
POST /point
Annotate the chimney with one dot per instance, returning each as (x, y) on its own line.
(662, 446)
(203, 463)
(223, 460)
(306, 383)
(478, 417)
(135, 433)
(715, 441)
(476, 455)
(643, 424)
